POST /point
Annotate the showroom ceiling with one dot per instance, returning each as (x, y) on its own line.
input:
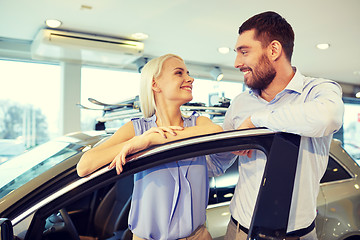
(196, 29)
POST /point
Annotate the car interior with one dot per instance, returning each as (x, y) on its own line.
(103, 214)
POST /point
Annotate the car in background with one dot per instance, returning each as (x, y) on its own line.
(338, 203)
(42, 198)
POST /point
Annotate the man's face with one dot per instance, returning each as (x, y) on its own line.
(252, 60)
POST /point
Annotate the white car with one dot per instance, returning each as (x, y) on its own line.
(42, 198)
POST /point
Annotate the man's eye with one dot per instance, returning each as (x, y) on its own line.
(243, 52)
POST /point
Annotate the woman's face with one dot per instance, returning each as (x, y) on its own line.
(174, 82)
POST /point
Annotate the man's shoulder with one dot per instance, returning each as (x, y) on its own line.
(310, 82)
(317, 79)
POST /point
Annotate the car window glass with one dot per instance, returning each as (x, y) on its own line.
(19, 229)
(334, 172)
(222, 187)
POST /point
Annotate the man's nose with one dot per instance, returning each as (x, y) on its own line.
(238, 61)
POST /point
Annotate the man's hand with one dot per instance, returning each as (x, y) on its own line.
(245, 125)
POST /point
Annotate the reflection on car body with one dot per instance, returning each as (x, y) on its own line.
(49, 201)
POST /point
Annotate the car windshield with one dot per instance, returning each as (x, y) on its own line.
(21, 169)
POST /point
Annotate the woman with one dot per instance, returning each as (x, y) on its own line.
(168, 201)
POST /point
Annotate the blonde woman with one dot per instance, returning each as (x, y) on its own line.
(168, 201)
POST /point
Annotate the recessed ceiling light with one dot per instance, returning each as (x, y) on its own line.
(223, 50)
(85, 7)
(357, 95)
(53, 23)
(139, 36)
(323, 46)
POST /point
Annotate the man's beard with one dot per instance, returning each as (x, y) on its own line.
(262, 75)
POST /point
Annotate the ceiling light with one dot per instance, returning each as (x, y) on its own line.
(323, 46)
(139, 36)
(140, 62)
(216, 73)
(53, 23)
(85, 7)
(223, 50)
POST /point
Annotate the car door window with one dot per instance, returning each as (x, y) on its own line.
(334, 172)
(222, 187)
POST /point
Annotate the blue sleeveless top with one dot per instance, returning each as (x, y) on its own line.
(169, 201)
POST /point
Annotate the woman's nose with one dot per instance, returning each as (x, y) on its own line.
(190, 79)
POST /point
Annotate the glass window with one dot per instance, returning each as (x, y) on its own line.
(29, 104)
(222, 187)
(115, 86)
(107, 86)
(351, 128)
(209, 91)
(334, 172)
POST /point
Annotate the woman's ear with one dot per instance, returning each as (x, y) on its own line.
(275, 50)
(155, 87)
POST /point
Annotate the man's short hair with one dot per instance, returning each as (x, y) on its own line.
(270, 26)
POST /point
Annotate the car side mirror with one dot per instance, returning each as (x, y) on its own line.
(6, 229)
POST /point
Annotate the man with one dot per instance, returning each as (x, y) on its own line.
(281, 99)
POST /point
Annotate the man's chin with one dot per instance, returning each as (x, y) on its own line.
(248, 82)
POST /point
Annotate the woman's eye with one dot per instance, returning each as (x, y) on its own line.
(179, 73)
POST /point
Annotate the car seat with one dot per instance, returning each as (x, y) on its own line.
(111, 216)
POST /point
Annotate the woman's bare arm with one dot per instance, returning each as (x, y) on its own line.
(105, 152)
(203, 126)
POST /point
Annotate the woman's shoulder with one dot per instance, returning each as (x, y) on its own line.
(144, 119)
(142, 124)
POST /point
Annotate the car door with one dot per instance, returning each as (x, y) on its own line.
(278, 185)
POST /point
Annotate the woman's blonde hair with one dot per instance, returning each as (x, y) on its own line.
(150, 72)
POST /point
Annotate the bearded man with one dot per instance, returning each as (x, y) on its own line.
(280, 98)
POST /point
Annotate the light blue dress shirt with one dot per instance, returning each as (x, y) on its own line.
(310, 107)
(169, 201)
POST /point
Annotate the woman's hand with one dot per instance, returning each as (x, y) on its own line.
(135, 144)
(139, 143)
(163, 130)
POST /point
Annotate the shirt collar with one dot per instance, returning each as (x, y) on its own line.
(296, 84)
